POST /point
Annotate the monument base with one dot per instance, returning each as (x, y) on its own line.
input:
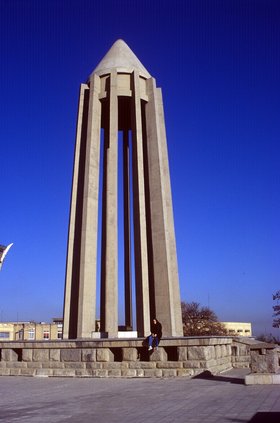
(175, 357)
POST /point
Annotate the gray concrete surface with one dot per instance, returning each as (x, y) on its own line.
(218, 399)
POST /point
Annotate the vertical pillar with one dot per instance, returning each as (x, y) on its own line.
(71, 293)
(109, 278)
(166, 283)
(140, 234)
(88, 255)
(127, 251)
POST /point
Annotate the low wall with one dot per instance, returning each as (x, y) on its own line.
(116, 357)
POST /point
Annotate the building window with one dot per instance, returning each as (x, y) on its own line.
(59, 335)
(21, 334)
(46, 334)
(31, 334)
(4, 335)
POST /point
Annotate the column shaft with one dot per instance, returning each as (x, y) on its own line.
(72, 268)
(127, 252)
(109, 277)
(140, 235)
(87, 289)
(166, 281)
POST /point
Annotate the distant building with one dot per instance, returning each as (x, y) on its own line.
(31, 331)
(238, 328)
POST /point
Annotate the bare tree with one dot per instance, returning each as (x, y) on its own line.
(276, 309)
(199, 321)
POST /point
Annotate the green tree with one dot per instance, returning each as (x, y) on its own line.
(276, 309)
(199, 321)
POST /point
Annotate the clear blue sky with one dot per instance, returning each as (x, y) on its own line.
(218, 63)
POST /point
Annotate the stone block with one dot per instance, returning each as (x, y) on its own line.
(209, 364)
(129, 354)
(114, 373)
(100, 373)
(184, 372)
(27, 354)
(129, 372)
(83, 373)
(71, 355)
(53, 365)
(2, 364)
(44, 372)
(104, 354)
(218, 351)
(33, 365)
(93, 365)
(224, 350)
(169, 372)
(41, 355)
(27, 372)
(169, 365)
(153, 373)
(200, 353)
(140, 372)
(74, 365)
(142, 365)
(15, 372)
(5, 372)
(191, 364)
(158, 355)
(114, 365)
(64, 372)
(182, 353)
(55, 355)
(9, 355)
(16, 365)
(89, 354)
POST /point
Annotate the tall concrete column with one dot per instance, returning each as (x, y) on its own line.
(127, 229)
(71, 283)
(109, 277)
(140, 231)
(166, 283)
(87, 289)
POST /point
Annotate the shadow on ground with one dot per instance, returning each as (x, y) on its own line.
(260, 417)
(208, 375)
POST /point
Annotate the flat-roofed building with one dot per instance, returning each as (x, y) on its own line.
(238, 328)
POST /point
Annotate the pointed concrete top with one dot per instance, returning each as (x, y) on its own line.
(122, 58)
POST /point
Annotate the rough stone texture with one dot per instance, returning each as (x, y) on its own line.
(158, 355)
(40, 355)
(104, 354)
(64, 372)
(27, 354)
(129, 372)
(129, 354)
(200, 353)
(55, 355)
(143, 365)
(44, 372)
(9, 355)
(185, 372)
(182, 353)
(88, 354)
(169, 365)
(114, 373)
(264, 361)
(169, 372)
(153, 373)
(71, 355)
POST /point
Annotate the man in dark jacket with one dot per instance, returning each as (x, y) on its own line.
(156, 334)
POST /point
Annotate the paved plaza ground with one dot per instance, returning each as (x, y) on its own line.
(216, 399)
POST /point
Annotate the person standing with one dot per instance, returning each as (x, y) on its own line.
(156, 334)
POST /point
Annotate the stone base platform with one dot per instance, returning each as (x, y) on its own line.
(116, 357)
(262, 379)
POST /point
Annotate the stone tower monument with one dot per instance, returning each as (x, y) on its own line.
(120, 103)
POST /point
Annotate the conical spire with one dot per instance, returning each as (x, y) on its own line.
(122, 58)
